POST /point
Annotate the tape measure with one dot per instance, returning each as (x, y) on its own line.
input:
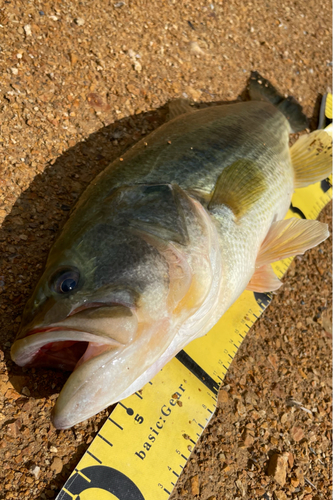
(141, 450)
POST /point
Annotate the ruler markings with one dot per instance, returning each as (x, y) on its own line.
(93, 456)
(175, 473)
(108, 442)
(115, 423)
(82, 475)
(69, 493)
(166, 491)
(185, 458)
(139, 395)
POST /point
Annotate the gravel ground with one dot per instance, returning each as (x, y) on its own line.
(80, 82)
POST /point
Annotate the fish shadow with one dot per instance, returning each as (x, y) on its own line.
(29, 231)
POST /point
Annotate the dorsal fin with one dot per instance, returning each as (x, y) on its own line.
(261, 89)
(155, 209)
(239, 187)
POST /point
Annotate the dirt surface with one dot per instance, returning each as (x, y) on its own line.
(80, 82)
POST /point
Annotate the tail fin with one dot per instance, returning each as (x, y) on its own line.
(311, 157)
(261, 89)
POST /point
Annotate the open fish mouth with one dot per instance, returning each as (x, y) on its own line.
(88, 331)
(60, 347)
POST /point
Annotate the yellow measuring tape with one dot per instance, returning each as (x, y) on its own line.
(144, 445)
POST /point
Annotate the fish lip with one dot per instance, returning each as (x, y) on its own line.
(90, 305)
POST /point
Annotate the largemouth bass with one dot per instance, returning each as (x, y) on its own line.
(163, 242)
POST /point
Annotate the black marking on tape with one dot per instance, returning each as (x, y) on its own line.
(262, 299)
(139, 395)
(115, 423)
(81, 474)
(200, 426)
(198, 435)
(193, 442)
(325, 185)
(236, 346)
(108, 442)
(255, 316)
(104, 478)
(199, 372)
(166, 491)
(185, 458)
(220, 378)
(93, 456)
(175, 473)
(297, 211)
(247, 326)
(129, 411)
(242, 335)
(172, 483)
(225, 367)
(210, 411)
(150, 382)
(230, 356)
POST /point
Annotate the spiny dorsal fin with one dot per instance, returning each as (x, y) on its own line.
(261, 89)
(155, 209)
(264, 280)
(239, 187)
(178, 107)
(311, 157)
(290, 237)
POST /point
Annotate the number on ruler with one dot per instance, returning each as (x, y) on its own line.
(138, 418)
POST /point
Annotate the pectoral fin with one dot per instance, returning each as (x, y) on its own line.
(290, 237)
(239, 187)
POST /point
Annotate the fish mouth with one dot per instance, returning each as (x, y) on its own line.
(88, 331)
(59, 347)
(107, 348)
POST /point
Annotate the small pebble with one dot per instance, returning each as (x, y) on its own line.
(79, 21)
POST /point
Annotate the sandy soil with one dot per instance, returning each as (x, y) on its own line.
(80, 82)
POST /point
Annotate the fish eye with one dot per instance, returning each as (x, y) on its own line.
(65, 280)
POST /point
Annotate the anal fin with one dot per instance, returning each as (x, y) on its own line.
(290, 237)
(264, 280)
